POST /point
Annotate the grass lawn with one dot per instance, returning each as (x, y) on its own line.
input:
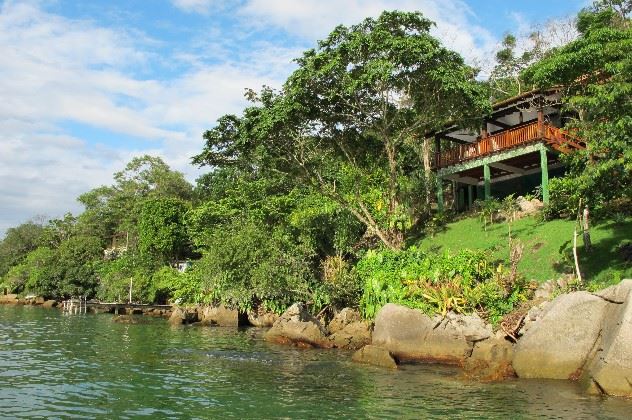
(548, 246)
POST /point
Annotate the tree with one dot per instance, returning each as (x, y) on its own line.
(348, 120)
(597, 72)
(161, 228)
(17, 243)
(519, 52)
(116, 208)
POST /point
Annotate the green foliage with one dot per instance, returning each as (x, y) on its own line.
(247, 265)
(115, 276)
(464, 282)
(35, 274)
(341, 286)
(346, 120)
(597, 71)
(17, 243)
(161, 228)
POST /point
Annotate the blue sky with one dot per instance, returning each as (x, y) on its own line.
(87, 85)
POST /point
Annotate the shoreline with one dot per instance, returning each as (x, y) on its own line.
(580, 337)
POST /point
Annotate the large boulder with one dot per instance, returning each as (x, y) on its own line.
(181, 315)
(49, 304)
(353, 336)
(10, 299)
(410, 335)
(610, 372)
(558, 345)
(343, 318)
(491, 360)
(262, 319)
(297, 326)
(219, 315)
(374, 355)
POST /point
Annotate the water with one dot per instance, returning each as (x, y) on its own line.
(87, 366)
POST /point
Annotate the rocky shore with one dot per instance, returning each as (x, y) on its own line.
(578, 336)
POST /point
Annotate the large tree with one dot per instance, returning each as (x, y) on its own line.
(596, 70)
(349, 120)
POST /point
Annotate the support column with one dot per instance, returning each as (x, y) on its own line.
(487, 177)
(461, 204)
(540, 122)
(470, 196)
(544, 165)
(440, 194)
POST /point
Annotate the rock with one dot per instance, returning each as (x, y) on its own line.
(262, 319)
(410, 335)
(374, 355)
(297, 326)
(491, 360)
(353, 336)
(9, 299)
(39, 301)
(181, 315)
(220, 316)
(49, 304)
(342, 319)
(545, 290)
(611, 369)
(529, 206)
(558, 345)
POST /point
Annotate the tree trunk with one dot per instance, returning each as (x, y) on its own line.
(425, 151)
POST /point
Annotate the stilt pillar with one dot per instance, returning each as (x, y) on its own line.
(440, 194)
(470, 196)
(544, 165)
(487, 177)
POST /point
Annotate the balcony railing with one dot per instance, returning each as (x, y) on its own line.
(508, 139)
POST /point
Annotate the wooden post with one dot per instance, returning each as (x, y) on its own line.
(544, 166)
(439, 194)
(437, 151)
(131, 280)
(461, 205)
(470, 196)
(487, 177)
(586, 231)
(540, 122)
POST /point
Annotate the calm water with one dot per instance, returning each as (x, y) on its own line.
(86, 366)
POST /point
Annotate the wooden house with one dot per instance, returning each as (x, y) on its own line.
(516, 150)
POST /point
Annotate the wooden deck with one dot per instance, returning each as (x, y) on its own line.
(557, 138)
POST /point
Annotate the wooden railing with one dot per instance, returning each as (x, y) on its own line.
(506, 140)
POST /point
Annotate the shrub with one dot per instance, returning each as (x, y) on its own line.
(247, 265)
(464, 282)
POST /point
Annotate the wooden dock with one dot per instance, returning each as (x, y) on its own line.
(77, 306)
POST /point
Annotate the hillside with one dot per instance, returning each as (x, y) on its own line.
(548, 246)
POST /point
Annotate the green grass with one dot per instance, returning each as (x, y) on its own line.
(547, 246)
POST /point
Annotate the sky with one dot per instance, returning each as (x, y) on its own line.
(85, 86)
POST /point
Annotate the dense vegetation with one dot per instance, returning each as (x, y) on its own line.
(322, 191)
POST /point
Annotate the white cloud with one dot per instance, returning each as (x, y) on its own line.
(313, 19)
(57, 70)
(197, 6)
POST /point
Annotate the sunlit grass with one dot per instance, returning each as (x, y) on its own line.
(547, 246)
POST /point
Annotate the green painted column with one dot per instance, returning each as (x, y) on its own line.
(487, 176)
(470, 196)
(440, 194)
(544, 165)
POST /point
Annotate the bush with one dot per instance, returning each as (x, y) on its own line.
(341, 284)
(464, 282)
(247, 265)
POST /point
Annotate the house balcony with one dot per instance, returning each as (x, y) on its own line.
(531, 132)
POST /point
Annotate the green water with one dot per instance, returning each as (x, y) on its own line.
(86, 366)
